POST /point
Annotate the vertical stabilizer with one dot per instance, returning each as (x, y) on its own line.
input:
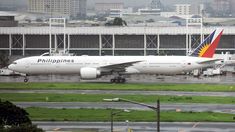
(207, 47)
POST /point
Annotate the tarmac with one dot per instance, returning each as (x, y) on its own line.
(138, 126)
(183, 79)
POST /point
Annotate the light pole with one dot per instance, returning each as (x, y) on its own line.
(115, 113)
(155, 108)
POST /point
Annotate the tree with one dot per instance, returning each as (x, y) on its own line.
(15, 118)
(116, 22)
(119, 22)
(10, 114)
(39, 20)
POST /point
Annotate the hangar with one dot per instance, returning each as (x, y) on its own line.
(28, 41)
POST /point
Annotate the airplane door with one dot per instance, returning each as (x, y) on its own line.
(183, 63)
(57, 67)
(27, 66)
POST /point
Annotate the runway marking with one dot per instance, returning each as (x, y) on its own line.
(195, 125)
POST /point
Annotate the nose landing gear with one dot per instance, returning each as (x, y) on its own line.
(26, 79)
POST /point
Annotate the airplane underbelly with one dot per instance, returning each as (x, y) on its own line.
(162, 70)
(170, 70)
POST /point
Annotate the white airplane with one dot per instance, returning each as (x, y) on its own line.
(92, 67)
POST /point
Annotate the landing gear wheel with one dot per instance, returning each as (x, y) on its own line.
(26, 80)
(123, 80)
(118, 80)
(112, 80)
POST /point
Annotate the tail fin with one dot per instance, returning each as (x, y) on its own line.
(207, 48)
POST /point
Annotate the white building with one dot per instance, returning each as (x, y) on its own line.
(106, 7)
(130, 12)
(58, 8)
(120, 12)
(149, 11)
(183, 9)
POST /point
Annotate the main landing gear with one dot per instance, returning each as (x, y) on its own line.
(118, 79)
(26, 79)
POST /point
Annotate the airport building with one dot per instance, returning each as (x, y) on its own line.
(129, 12)
(149, 12)
(58, 8)
(183, 9)
(30, 41)
(7, 20)
(106, 7)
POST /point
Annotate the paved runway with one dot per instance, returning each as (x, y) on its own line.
(139, 126)
(124, 92)
(228, 79)
(122, 105)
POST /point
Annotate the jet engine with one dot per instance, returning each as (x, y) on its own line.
(89, 73)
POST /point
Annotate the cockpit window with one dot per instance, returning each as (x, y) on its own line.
(14, 63)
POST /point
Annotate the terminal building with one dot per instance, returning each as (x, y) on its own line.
(29, 41)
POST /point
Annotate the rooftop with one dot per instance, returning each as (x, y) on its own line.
(4, 13)
(180, 30)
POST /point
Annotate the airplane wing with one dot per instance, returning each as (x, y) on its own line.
(120, 67)
(209, 61)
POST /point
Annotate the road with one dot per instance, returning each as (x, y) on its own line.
(228, 79)
(123, 105)
(139, 126)
(125, 92)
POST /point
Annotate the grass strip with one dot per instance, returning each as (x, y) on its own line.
(108, 86)
(50, 97)
(48, 114)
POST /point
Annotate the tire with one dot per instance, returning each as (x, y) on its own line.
(117, 81)
(26, 80)
(123, 80)
(112, 80)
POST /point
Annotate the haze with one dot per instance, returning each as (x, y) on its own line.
(90, 3)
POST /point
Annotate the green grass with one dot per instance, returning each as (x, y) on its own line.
(43, 97)
(108, 86)
(48, 114)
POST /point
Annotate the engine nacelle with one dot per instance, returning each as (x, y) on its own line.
(89, 73)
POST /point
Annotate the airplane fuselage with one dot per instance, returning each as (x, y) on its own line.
(73, 64)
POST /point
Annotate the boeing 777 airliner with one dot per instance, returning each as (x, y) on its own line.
(92, 67)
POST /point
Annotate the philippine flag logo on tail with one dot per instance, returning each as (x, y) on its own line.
(207, 47)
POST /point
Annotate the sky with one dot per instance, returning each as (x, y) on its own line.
(147, 2)
(91, 3)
